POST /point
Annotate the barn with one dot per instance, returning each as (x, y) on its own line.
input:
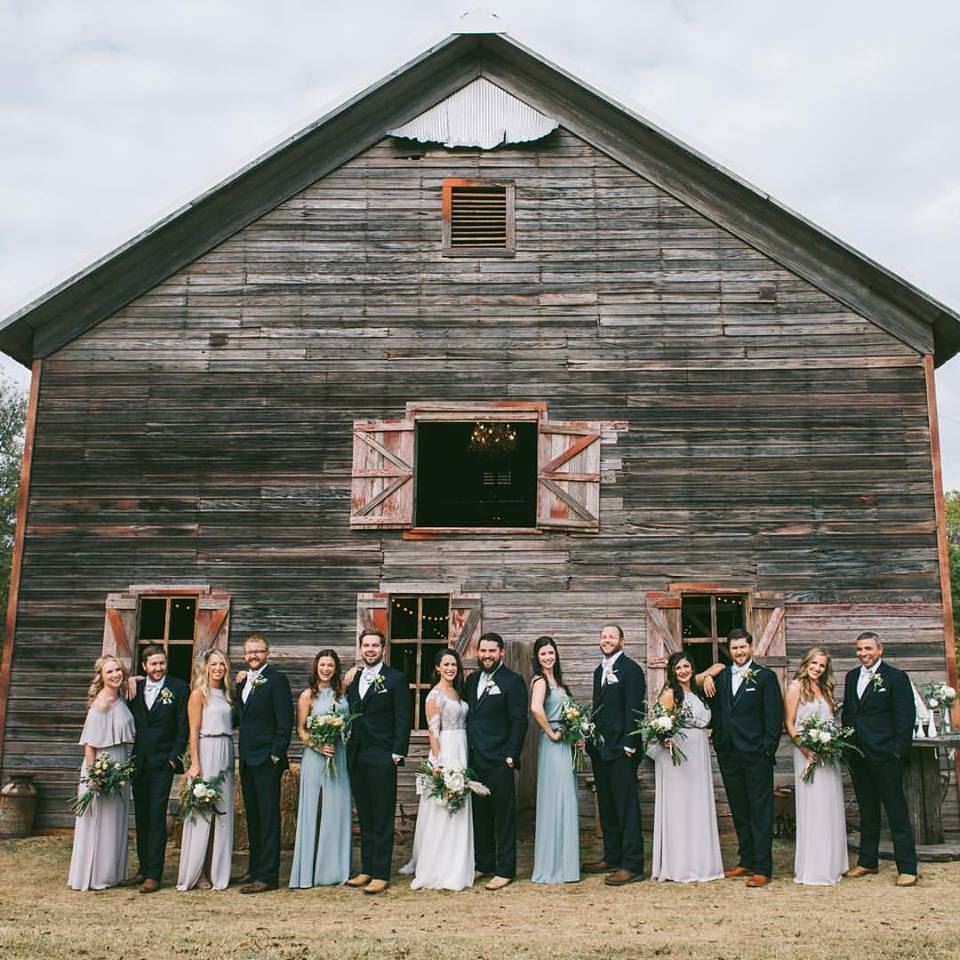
(481, 349)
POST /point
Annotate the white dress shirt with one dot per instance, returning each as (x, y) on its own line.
(606, 666)
(249, 685)
(151, 690)
(368, 676)
(866, 675)
(736, 678)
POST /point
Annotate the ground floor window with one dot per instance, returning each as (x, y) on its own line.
(171, 622)
(705, 621)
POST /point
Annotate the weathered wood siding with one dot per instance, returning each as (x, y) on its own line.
(202, 434)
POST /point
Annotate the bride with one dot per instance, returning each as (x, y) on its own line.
(443, 842)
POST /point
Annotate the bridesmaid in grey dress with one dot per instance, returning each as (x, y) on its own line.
(686, 843)
(321, 855)
(206, 848)
(556, 850)
(821, 848)
(100, 840)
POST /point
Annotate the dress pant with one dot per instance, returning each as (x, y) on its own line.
(151, 791)
(373, 779)
(748, 780)
(261, 801)
(877, 782)
(495, 822)
(619, 801)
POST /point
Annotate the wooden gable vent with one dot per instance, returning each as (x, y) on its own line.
(478, 218)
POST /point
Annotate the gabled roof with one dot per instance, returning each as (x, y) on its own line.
(113, 281)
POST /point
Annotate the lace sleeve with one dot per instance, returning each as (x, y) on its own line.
(436, 698)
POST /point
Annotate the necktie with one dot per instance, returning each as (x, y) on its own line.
(150, 692)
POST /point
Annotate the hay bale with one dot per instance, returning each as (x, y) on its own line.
(289, 800)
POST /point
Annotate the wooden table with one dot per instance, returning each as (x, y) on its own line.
(925, 786)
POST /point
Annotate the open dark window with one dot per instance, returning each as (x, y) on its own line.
(705, 621)
(170, 622)
(476, 474)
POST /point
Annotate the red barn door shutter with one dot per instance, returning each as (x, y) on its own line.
(465, 624)
(770, 633)
(212, 629)
(371, 613)
(381, 494)
(120, 628)
(663, 638)
(568, 475)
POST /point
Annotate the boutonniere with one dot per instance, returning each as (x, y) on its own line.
(258, 681)
(379, 683)
(166, 695)
(750, 676)
(877, 680)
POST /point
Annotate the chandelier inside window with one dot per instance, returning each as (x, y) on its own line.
(493, 438)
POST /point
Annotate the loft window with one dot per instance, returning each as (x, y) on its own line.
(170, 622)
(417, 628)
(478, 218)
(705, 621)
(476, 474)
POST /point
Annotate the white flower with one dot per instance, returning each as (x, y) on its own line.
(933, 702)
(663, 723)
(198, 790)
(454, 781)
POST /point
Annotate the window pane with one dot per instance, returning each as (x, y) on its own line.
(695, 616)
(730, 614)
(436, 618)
(403, 656)
(403, 618)
(183, 612)
(180, 661)
(419, 713)
(476, 474)
(701, 654)
(426, 664)
(153, 614)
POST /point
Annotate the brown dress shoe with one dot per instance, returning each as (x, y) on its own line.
(132, 881)
(498, 883)
(734, 872)
(149, 886)
(376, 886)
(598, 866)
(258, 886)
(620, 877)
(758, 880)
(242, 879)
(907, 880)
(854, 873)
(360, 880)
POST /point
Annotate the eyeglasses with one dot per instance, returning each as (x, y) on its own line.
(255, 650)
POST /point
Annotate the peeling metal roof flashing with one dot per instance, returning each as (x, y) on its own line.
(481, 114)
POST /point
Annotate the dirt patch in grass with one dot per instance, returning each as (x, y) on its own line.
(41, 919)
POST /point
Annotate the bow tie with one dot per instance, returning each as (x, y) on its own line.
(866, 671)
(151, 685)
(740, 671)
(370, 675)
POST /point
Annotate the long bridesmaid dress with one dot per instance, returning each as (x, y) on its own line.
(321, 854)
(216, 754)
(821, 848)
(100, 838)
(556, 849)
(686, 844)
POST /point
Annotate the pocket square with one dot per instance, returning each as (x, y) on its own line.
(610, 678)
(493, 691)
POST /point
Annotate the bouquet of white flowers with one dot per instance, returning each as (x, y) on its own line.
(106, 778)
(665, 727)
(939, 695)
(825, 738)
(448, 785)
(324, 728)
(577, 726)
(201, 796)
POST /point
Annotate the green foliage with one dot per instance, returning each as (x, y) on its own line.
(13, 416)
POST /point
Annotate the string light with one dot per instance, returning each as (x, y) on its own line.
(492, 438)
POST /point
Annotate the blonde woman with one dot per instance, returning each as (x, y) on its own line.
(821, 848)
(207, 845)
(99, 857)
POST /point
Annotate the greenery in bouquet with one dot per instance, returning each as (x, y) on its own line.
(201, 795)
(328, 728)
(940, 695)
(827, 740)
(106, 778)
(665, 727)
(576, 726)
(449, 786)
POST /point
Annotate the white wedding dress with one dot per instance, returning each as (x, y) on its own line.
(443, 842)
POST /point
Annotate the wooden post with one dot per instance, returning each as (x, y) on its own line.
(516, 656)
(18, 540)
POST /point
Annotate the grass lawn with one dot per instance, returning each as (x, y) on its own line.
(864, 919)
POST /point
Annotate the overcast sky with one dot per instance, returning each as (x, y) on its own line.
(115, 112)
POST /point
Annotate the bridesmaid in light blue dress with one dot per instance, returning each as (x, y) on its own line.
(820, 857)
(556, 850)
(321, 854)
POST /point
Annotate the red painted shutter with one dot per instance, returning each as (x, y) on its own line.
(381, 494)
(568, 475)
(663, 638)
(465, 612)
(212, 630)
(770, 633)
(371, 613)
(120, 627)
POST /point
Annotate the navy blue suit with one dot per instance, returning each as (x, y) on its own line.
(381, 731)
(266, 720)
(496, 727)
(746, 730)
(618, 709)
(882, 721)
(160, 742)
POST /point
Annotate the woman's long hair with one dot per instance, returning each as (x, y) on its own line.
(673, 683)
(97, 684)
(538, 645)
(200, 681)
(438, 659)
(824, 682)
(336, 681)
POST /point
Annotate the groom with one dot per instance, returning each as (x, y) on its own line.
(747, 720)
(878, 703)
(496, 726)
(378, 742)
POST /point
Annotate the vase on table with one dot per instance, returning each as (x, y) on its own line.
(932, 725)
(919, 733)
(946, 727)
